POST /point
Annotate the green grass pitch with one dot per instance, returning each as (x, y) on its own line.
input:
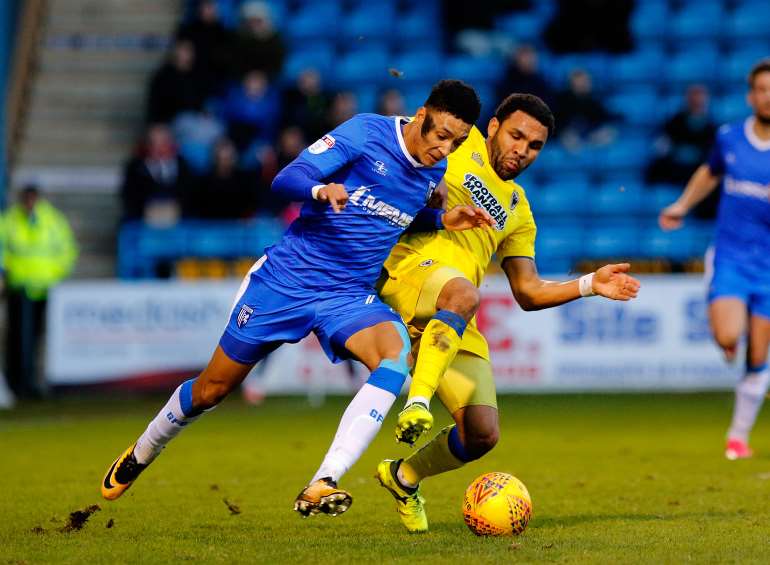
(613, 478)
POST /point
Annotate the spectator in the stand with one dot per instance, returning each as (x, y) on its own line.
(291, 142)
(38, 251)
(391, 103)
(591, 25)
(196, 133)
(522, 75)
(257, 45)
(582, 118)
(251, 110)
(210, 38)
(176, 86)
(684, 145)
(157, 180)
(344, 106)
(227, 191)
(306, 104)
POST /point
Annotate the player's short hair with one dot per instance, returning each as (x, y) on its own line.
(762, 67)
(457, 98)
(529, 104)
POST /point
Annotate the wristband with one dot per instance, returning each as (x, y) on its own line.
(418, 400)
(315, 189)
(585, 285)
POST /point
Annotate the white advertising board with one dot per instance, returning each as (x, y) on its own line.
(117, 331)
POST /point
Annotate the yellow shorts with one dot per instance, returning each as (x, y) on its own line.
(411, 284)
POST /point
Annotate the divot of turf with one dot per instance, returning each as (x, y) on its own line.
(233, 508)
(110, 522)
(78, 519)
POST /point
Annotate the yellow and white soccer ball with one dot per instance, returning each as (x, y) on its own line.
(497, 504)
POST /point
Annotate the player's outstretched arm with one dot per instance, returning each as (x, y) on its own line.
(534, 293)
(467, 217)
(701, 184)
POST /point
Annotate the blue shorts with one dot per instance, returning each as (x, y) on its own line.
(736, 280)
(264, 317)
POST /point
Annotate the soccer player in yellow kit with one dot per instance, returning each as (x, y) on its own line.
(432, 280)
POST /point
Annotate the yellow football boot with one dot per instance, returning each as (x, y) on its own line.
(121, 474)
(410, 505)
(412, 422)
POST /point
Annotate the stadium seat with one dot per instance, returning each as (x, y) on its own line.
(596, 65)
(677, 245)
(557, 247)
(415, 96)
(618, 241)
(198, 155)
(701, 20)
(648, 21)
(658, 196)
(730, 108)
(697, 65)
(624, 154)
(474, 69)
(522, 27)
(215, 239)
(367, 97)
(316, 21)
(638, 106)
(641, 67)
(613, 200)
(373, 21)
(319, 57)
(749, 21)
(361, 68)
(417, 67)
(565, 197)
(737, 65)
(417, 26)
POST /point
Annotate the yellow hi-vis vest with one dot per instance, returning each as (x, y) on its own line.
(38, 250)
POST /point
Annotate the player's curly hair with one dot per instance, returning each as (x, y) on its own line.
(529, 104)
(457, 98)
(762, 67)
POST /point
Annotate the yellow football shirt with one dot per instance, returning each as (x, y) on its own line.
(471, 180)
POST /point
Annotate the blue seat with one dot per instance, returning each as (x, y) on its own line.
(658, 196)
(417, 25)
(638, 106)
(417, 67)
(625, 153)
(522, 26)
(216, 239)
(362, 68)
(320, 57)
(613, 199)
(730, 107)
(161, 243)
(565, 197)
(696, 21)
(596, 65)
(367, 97)
(620, 241)
(648, 21)
(415, 96)
(739, 63)
(691, 66)
(261, 233)
(560, 245)
(675, 245)
(747, 22)
(317, 21)
(474, 69)
(198, 155)
(643, 66)
(374, 21)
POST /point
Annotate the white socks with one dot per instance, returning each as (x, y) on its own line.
(172, 419)
(749, 396)
(359, 424)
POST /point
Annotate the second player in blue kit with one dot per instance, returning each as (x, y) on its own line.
(363, 184)
(739, 289)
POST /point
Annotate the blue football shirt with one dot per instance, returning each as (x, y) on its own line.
(743, 220)
(386, 187)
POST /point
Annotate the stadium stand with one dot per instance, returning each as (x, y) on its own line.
(360, 50)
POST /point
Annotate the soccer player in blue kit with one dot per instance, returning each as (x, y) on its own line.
(739, 291)
(363, 184)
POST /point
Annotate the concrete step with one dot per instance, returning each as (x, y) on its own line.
(56, 116)
(77, 60)
(33, 158)
(95, 266)
(68, 133)
(96, 8)
(112, 23)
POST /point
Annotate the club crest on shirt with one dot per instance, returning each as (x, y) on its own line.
(514, 200)
(476, 156)
(380, 168)
(244, 315)
(323, 144)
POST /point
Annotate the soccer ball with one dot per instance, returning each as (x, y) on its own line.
(497, 504)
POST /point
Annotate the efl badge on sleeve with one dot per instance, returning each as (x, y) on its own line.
(244, 315)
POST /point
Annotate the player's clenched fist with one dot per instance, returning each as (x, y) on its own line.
(335, 194)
